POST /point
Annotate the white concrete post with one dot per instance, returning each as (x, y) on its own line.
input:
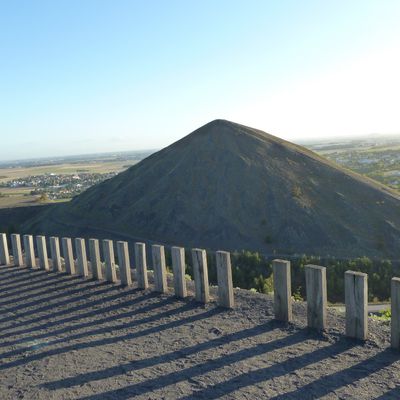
(159, 268)
(141, 265)
(17, 249)
(4, 253)
(55, 253)
(95, 262)
(30, 258)
(200, 272)
(356, 298)
(42, 252)
(178, 266)
(109, 258)
(316, 296)
(68, 256)
(83, 269)
(282, 290)
(395, 317)
(124, 263)
(224, 275)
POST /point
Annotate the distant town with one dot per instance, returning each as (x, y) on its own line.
(376, 156)
(51, 186)
(46, 180)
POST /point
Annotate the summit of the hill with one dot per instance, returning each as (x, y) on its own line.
(223, 127)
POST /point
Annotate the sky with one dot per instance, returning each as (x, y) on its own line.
(85, 76)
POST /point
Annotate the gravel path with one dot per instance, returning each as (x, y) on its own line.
(63, 337)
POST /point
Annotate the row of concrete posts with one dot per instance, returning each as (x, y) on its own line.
(356, 283)
(81, 266)
(356, 300)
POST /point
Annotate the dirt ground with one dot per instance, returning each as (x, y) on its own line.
(64, 337)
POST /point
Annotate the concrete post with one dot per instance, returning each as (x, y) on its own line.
(30, 258)
(95, 262)
(4, 253)
(141, 265)
(356, 298)
(178, 266)
(68, 256)
(316, 296)
(159, 268)
(124, 264)
(108, 249)
(224, 275)
(83, 269)
(17, 249)
(200, 272)
(42, 252)
(55, 253)
(395, 318)
(282, 290)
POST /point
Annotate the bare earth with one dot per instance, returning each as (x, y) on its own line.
(65, 337)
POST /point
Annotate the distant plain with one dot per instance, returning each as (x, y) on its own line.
(64, 168)
(74, 165)
(20, 196)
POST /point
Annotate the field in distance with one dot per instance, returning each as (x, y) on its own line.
(375, 156)
(40, 181)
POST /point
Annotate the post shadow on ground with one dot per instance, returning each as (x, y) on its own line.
(99, 331)
(12, 272)
(76, 282)
(92, 313)
(163, 358)
(28, 281)
(103, 289)
(226, 387)
(39, 288)
(10, 269)
(23, 277)
(58, 282)
(392, 394)
(79, 287)
(115, 339)
(25, 327)
(279, 369)
(328, 383)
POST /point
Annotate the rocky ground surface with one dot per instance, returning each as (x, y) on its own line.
(64, 337)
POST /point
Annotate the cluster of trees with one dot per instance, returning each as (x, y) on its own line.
(379, 273)
(254, 271)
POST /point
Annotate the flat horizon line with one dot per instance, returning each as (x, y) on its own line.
(303, 141)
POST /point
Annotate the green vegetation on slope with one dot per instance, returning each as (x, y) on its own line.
(254, 271)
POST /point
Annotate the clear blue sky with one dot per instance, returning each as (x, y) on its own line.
(79, 76)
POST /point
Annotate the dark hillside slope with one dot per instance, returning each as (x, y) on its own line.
(233, 187)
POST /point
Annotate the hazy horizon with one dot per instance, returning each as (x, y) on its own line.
(95, 77)
(303, 142)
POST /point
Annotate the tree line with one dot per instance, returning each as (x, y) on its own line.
(252, 270)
